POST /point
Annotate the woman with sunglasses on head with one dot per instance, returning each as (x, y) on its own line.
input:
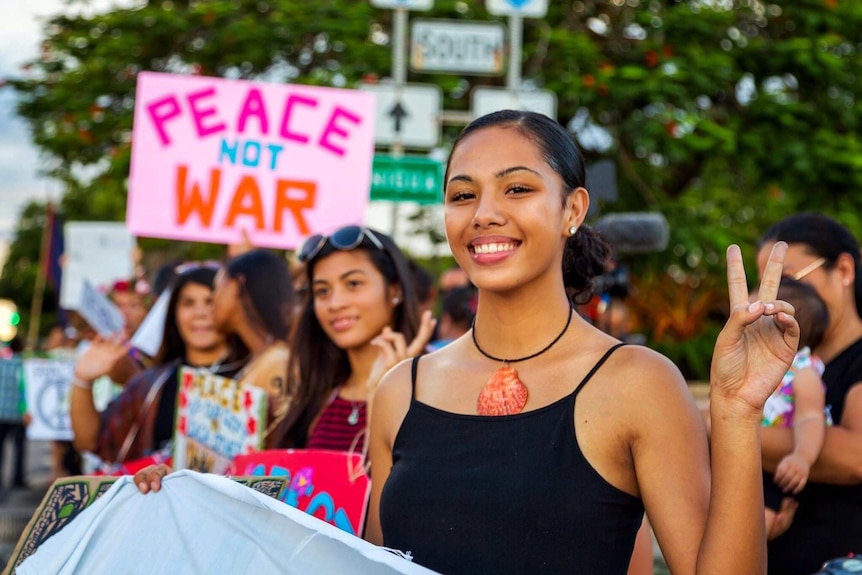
(141, 419)
(534, 442)
(828, 521)
(360, 317)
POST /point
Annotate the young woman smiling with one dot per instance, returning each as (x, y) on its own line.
(535, 442)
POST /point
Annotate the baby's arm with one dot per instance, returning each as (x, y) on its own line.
(809, 428)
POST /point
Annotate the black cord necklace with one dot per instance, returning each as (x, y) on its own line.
(531, 356)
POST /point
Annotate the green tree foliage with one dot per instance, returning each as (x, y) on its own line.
(722, 114)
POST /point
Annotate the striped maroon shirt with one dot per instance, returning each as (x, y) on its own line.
(334, 430)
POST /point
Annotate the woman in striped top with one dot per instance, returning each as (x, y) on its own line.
(359, 318)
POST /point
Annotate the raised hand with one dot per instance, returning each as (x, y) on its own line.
(394, 347)
(759, 340)
(100, 357)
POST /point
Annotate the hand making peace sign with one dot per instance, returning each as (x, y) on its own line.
(758, 342)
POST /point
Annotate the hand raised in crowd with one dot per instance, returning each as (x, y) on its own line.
(791, 475)
(150, 478)
(758, 343)
(394, 348)
(101, 357)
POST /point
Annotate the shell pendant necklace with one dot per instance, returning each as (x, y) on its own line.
(505, 393)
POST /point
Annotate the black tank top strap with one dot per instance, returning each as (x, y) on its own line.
(596, 367)
(414, 365)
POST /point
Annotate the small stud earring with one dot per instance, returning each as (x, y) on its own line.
(846, 282)
(573, 230)
(395, 301)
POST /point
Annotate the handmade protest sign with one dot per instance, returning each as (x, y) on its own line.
(100, 252)
(99, 311)
(331, 485)
(213, 157)
(217, 419)
(48, 383)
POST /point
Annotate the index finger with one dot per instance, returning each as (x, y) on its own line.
(772, 273)
(737, 287)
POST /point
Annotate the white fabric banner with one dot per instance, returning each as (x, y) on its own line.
(205, 524)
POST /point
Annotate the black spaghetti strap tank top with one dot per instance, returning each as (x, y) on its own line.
(507, 494)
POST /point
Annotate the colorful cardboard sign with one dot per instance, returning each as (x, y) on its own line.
(211, 157)
(48, 383)
(331, 485)
(217, 419)
(68, 496)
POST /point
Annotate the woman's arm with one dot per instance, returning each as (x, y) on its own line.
(840, 460)
(752, 354)
(391, 402)
(86, 424)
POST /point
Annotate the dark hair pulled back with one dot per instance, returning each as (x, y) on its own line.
(266, 290)
(587, 255)
(823, 237)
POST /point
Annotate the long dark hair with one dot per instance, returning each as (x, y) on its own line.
(317, 366)
(587, 255)
(823, 237)
(266, 290)
(173, 347)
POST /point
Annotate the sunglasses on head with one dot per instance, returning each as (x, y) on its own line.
(344, 239)
(196, 265)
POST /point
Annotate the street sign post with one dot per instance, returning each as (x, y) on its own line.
(523, 8)
(484, 100)
(406, 4)
(408, 114)
(453, 46)
(406, 179)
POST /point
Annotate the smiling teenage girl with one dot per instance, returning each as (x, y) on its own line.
(360, 318)
(581, 434)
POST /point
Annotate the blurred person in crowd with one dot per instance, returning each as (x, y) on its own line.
(13, 427)
(799, 403)
(456, 316)
(423, 283)
(254, 301)
(132, 298)
(828, 521)
(140, 421)
(452, 278)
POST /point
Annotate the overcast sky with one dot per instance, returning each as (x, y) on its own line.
(20, 34)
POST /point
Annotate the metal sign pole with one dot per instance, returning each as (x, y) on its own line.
(516, 32)
(399, 76)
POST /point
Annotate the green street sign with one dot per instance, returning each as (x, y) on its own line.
(407, 179)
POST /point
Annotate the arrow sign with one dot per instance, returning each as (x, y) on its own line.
(397, 113)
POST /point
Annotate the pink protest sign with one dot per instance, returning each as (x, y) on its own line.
(331, 485)
(211, 157)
